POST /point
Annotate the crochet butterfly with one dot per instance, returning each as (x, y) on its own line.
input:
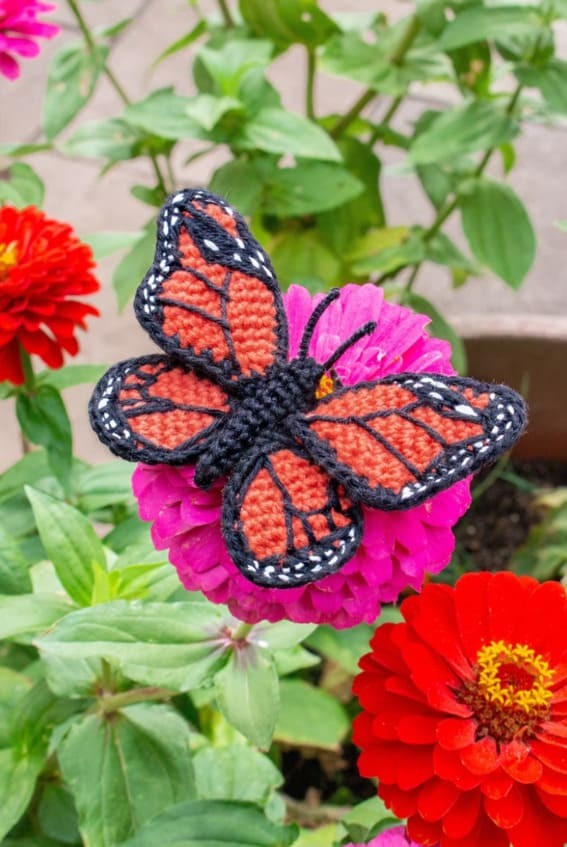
(300, 453)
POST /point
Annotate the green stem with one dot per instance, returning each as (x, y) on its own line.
(367, 96)
(241, 632)
(113, 702)
(447, 210)
(93, 49)
(310, 83)
(29, 388)
(385, 122)
(227, 15)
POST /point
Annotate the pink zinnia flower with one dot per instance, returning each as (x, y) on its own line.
(398, 548)
(19, 29)
(391, 838)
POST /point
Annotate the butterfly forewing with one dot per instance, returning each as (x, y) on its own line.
(286, 522)
(395, 443)
(153, 409)
(211, 296)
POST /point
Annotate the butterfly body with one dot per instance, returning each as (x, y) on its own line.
(300, 454)
(261, 405)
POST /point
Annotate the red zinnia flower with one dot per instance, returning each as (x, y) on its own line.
(464, 718)
(43, 266)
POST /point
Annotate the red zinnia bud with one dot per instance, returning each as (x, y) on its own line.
(464, 718)
(43, 267)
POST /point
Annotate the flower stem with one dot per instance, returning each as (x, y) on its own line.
(310, 83)
(367, 96)
(93, 49)
(29, 388)
(447, 210)
(113, 702)
(227, 15)
(241, 632)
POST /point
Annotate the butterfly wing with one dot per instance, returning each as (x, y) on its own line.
(396, 442)
(285, 521)
(153, 410)
(211, 296)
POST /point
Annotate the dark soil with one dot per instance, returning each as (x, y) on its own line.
(500, 520)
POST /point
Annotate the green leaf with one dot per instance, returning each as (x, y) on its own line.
(17, 150)
(30, 468)
(480, 22)
(165, 114)
(241, 182)
(104, 485)
(70, 543)
(288, 21)
(126, 769)
(73, 74)
(112, 139)
(28, 614)
(44, 421)
(247, 691)
(22, 188)
(18, 776)
(277, 131)
(345, 646)
(57, 815)
(440, 328)
(309, 717)
(71, 375)
(281, 635)
(213, 823)
(551, 80)
(498, 229)
(186, 40)
(309, 187)
(562, 225)
(323, 836)
(208, 110)
(133, 267)
(14, 576)
(304, 258)
(174, 645)
(13, 686)
(222, 70)
(388, 259)
(464, 129)
(235, 772)
(367, 819)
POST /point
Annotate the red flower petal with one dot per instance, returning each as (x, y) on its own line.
(556, 803)
(497, 785)
(10, 363)
(507, 598)
(507, 811)
(518, 762)
(462, 818)
(481, 758)
(538, 828)
(447, 765)
(424, 833)
(417, 729)
(455, 734)
(436, 798)
(552, 755)
(472, 612)
(432, 616)
(402, 803)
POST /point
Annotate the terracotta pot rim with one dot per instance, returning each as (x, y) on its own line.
(514, 326)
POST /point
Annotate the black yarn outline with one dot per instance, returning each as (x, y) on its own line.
(201, 227)
(386, 499)
(149, 453)
(240, 552)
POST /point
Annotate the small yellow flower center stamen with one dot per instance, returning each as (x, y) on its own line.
(514, 675)
(511, 695)
(8, 257)
(326, 386)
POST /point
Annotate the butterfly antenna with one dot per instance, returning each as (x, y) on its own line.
(313, 320)
(367, 329)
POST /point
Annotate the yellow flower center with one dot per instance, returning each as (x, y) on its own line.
(326, 386)
(514, 675)
(8, 257)
(511, 694)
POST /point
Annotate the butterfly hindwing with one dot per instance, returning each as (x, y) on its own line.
(153, 410)
(211, 296)
(285, 521)
(396, 442)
